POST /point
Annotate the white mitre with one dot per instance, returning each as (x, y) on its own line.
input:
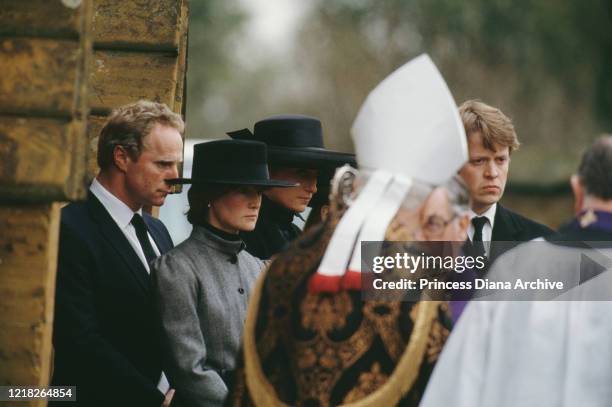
(409, 125)
(407, 129)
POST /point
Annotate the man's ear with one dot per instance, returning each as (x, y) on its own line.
(578, 191)
(121, 158)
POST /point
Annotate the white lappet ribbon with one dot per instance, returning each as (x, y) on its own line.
(366, 219)
(338, 253)
(375, 227)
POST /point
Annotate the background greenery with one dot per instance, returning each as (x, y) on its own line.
(548, 65)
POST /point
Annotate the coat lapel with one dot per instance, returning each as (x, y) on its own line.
(505, 229)
(118, 241)
(160, 240)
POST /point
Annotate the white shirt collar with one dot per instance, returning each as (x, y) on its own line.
(118, 210)
(489, 214)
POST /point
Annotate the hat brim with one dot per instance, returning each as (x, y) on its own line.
(309, 157)
(256, 183)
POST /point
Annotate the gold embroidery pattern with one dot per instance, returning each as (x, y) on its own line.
(285, 276)
(328, 345)
(383, 315)
(324, 313)
(264, 391)
(368, 383)
(321, 362)
(437, 336)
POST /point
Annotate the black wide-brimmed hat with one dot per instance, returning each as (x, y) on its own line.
(235, 162)
(294, 141)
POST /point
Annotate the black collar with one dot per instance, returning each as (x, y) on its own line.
(221, 233)
(216, 241)
(272, 211)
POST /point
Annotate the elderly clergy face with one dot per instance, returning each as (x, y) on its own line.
(439, 221)
(440, 215)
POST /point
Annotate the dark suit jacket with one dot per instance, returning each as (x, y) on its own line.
(105, 332)
(512, 227)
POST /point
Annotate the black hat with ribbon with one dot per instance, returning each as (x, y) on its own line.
(294, 141)
(234, 162)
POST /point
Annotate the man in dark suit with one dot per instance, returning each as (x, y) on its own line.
(491, 141)
(105, 331)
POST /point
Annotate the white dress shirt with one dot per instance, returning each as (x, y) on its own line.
(122, 215)
(487, 229)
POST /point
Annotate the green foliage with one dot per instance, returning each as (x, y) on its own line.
(546, 64)
(213, 25)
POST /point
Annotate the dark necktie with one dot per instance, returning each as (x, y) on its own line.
(475, 248)
(478, 222)
(143, 237)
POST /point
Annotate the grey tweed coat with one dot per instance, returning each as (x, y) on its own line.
(202, 290)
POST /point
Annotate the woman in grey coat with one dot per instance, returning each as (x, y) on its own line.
(202, 286)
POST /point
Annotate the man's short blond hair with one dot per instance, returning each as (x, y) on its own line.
(128, 125)
(492, 123)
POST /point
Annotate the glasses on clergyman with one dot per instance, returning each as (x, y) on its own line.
(435, 225)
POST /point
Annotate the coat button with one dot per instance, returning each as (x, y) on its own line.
(241, 290)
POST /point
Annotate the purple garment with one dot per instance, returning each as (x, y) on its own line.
(456, 308)
(460, 298)
(602, 223)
